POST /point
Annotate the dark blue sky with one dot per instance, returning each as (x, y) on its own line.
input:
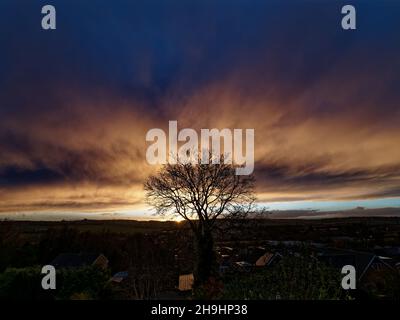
(145, 47)
(75, 102)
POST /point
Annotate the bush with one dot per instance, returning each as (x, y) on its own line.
(84, 283)
(25, 284)
(293, 278)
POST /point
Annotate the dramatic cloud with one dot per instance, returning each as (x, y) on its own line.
(76, 103)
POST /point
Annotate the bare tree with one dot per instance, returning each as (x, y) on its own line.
(201, 194)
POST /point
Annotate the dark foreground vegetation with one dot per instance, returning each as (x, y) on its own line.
(154, 254)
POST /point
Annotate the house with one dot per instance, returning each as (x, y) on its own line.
(365, 263)
(243, 266)
(186, 282)
(286, 243)
(226, 250)
(393, 252)
(79, 260)
(268, 259)
(264, 259)
(119, 276)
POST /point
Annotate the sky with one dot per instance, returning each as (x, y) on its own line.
(76, 102)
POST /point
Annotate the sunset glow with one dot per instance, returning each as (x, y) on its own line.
(76, 104)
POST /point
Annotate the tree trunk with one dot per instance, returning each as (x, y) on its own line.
(206, 264)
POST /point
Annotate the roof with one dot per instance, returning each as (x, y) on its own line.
(243, 264)
(120, 276)
(74, 260)
(264, 259)
(339, 258)
(390, 251)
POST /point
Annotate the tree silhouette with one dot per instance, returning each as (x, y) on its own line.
(201, 194)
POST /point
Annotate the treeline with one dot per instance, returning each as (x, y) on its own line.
(150, 259)
(122, 250)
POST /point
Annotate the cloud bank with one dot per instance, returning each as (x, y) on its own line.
(75, 104)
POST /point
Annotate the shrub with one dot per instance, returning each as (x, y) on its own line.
(293, 278)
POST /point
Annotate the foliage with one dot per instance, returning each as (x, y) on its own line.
(211, 289)
(87, 282)
(25, 284)
(382, 284)
(293, 278)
